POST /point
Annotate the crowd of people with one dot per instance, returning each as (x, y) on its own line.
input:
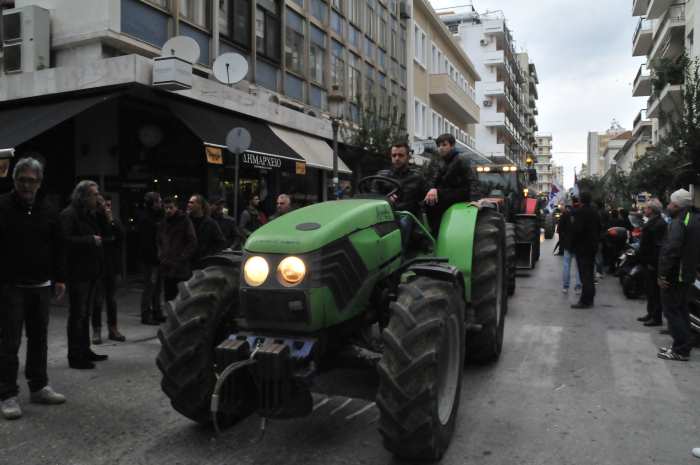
(669, 251)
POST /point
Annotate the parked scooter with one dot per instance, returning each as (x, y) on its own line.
(628, 268)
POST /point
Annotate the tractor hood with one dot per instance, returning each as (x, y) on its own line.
(310, 228)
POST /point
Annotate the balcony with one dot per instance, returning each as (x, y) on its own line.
(643, 35)
(500, 122)
(669, 39)
(495, 27)
(447, 93)
(639, 7)
(670, 100)
(641, 124)
(493, 89)
(495, 58)
(657, 8)
(642, 82)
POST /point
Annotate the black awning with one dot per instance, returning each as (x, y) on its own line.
(19, 123)
(212, 126)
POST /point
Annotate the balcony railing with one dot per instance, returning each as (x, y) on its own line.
(639, 7)
(642, 82)
(642, 39)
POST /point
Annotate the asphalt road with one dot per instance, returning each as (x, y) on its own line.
(572, 387)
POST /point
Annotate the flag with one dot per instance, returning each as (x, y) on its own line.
(554, 192)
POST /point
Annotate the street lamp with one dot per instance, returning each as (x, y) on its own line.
(336, 105)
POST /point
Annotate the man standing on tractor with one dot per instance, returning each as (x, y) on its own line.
(451, 184)
(412, 187)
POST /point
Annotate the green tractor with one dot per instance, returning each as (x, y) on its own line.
(251, 332)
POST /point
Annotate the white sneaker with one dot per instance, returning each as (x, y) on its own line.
(10, 408)
(47, 395)
(696, 452)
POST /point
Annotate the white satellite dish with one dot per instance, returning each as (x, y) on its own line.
(230, 68)
(183, 47)
(238, 140)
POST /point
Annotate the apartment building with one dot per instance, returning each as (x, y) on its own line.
(442, 84)
(543, 163)
(613, 148)
(558, 175)
(98, 114)
(665, 31)
(597, 145)
(507, 92)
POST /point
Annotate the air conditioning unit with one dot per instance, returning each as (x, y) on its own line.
(405, 9)
(26, 39)
(484, 42)
(488, 103)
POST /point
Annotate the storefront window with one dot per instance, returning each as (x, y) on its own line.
(317, 52)
(194, 11)
(294, 45)
(267, 29)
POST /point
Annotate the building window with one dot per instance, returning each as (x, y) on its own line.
(336, 23)
(267, 29)
(317, 52)
(194, 11)
(337, 64)
(369, 49)
(420, 117)
(161, 3)
(354, 77)
(319, 10)
(337, 4)
(294, 43)
(294, 87)
(239, 11)
(435, 61)
(421, 42)
(369, 80)
(383, 31)
(370, 19)
(317, 97)
(402, 49)
(354, 35)
(382, 84)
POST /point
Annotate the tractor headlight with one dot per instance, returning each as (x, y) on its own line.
(255, 271)
(291, 271)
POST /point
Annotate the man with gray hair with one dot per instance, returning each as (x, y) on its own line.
(678, 262)
(32, 262)
(83, 236)
(652, 237)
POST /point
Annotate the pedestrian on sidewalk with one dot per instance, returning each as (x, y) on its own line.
(33, 262)
(678, 262)
(564, 227)
(652, 237)
(251, 218)
(83, 235)
(584, 237)
(151, 312)
(210, 240)
(604, 222)
(226, 223)
(112, 240)
(284, 206)
(177, 243)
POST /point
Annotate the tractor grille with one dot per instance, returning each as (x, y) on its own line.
(289, 306)
(340, 268)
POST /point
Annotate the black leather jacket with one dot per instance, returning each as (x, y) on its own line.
(412, 188)
(653, 233)
(453, 180)
(680, 252)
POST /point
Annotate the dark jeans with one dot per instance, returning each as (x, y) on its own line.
(28, 307)
(675, 304)
(152, 283)
(406, 226)
(82, 299)
(654, 308)
(586, 263)
(170, 288)
(105, 292)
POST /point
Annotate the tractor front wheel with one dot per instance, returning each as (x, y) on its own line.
(420, 371)
(197, 321)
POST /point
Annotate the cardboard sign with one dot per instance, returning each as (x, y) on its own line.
(214, 155)
(300, 167)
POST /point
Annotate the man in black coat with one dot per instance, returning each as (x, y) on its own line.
(83, 235)
(112, 240)
(412, 184)
(177, 243)
(451, 184)
(564, 227)
(210, 240)
(653, 232)
(678, 262)
(585, 232)
(151, 313)
(226, 223)
(31, 247)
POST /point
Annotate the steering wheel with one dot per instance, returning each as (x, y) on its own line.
(364, 186)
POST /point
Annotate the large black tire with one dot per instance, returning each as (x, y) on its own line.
(527, 230)
(489, 286)
(549, 226)
(510, 257)
(197, 321)
(420, 373)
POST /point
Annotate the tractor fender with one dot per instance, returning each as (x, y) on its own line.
(226, 257)
(437, 270)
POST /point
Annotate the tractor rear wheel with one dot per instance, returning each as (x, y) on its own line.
(489, 288)
(420, 373)
(549, 226)
(527, 230)
(510, 257)
(197, 321)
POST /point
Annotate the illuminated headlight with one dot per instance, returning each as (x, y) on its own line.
(291, 271)
(480, 169)
(255, 271)
(487, 169)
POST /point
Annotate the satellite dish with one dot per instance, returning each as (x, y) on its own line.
(183, 47)
(230, 68)
(238, 140)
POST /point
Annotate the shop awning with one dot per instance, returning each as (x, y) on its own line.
(21, 122)
(316, 152)
(212, 126)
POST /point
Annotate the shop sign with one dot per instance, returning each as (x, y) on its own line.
(214, 155)
(300, 167)
(265, 162)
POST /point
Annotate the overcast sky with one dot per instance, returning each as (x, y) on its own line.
(583, 54)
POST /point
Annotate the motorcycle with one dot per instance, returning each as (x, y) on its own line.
(631, 272)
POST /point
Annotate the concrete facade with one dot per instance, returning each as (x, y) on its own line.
(543, 163)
